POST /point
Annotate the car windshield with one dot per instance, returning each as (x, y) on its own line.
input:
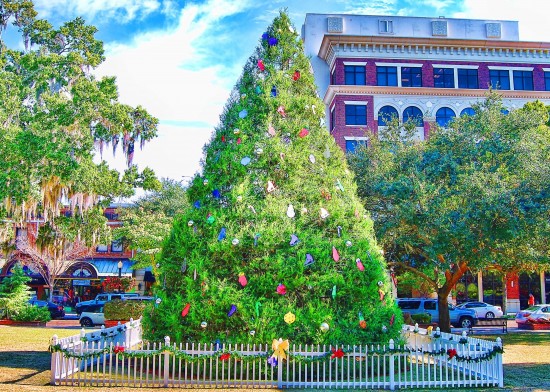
(451, 307)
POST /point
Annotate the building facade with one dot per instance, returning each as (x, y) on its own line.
(369, 69)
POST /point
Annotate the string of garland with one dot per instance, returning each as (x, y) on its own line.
(237, 355)
(103, 335)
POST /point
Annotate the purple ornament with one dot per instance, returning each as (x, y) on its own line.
(274, 91)
(216, 193)
(232, 310)
(309, 260)
(221, 236)
(272, 361)
(197, 204)
(265, 36)
(272, 41)
(294, 240)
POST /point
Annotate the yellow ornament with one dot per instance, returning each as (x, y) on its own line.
(290, 318)
(279, 347)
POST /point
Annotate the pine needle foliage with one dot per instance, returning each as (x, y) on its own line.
(275, 118)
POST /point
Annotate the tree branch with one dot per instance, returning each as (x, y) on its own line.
(432, 282)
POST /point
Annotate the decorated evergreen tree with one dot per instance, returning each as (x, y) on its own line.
(277, 244)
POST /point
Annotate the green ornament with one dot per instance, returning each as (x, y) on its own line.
(210, 219)
(258, 304)
(334, 292)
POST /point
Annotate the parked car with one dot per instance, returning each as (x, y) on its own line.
(461, 318)
(483, 310)
(139, 298)
(56, 311)
(100, 299)
(535, 312)
(92, 316)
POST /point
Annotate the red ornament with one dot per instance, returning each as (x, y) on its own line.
(337, 353)
(335, 254)
(392, 319)
(239, 141)
(225, 356)
(118, 349)
(185, 310)
(303, 133)
(223, 139)
(281, 289)
(451, 353)
(296, 75)
(363, 324)
(261, 65)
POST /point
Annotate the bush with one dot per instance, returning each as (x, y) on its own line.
(422, 318)
(124, 310)
(32, 313)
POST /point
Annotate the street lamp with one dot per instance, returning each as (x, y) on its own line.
(120, 269)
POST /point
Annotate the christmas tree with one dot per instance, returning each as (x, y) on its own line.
(277, 243)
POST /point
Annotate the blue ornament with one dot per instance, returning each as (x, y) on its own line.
(197, 204)
(265, 36)
(217, 344)
(232, 310)
(221, 236)
(272, 361)
(256, 236)
(258, 90)
(245, 161)
(274, 91)
(272, 41)
(216, 193)
(309, 260)
(243, 113)
(294, 240)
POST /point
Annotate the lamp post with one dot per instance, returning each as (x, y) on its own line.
(119, 273)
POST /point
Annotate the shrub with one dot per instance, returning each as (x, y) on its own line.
(124, 310)
(422, 318)
(32, 313)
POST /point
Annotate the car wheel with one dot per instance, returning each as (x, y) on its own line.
(490, 315)
(466, 322)
(86, 322)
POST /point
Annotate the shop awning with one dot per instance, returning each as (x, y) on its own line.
(109, 267)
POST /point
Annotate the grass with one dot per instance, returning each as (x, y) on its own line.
(25, 362)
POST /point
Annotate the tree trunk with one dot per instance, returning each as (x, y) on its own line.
(443, 309)
(504, 293)
(50, 286)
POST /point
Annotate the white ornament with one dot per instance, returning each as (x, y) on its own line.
(235, 241)
(158, 301)
(239, 198)
(324, 327)
(259, 151)
(312, 158)
(324, 213)
(384, 329)
(348, 243)
(236, 131)
(304, 210)
(190, 223)
(204, 324)
(158, 265)
(380, 283)
(205, 181)
(290, 211)
(252, 332)
(270, 187)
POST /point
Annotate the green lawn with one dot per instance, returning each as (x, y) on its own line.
(25, 362)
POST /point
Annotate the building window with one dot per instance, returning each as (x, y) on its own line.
(547, 81)
(411, 77)
(116, 246)
(523, 80)
(356, 114)
(385, 26)
(386, 114)
(467, 78)
(500, 79)
(444, 115)
(332, 119)
(101, 248)
(412, 113)
(333, 77)
(353, 144)
(354, 74)
(444, 77)
(20, 234)
(386, 76)
(111, 215)
(467, 112)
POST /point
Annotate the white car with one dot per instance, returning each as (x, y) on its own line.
(92, 316)
(483, 310)
(536, 313)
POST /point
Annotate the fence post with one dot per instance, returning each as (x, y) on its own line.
(392, 367)
(280, 368)
(54, 361)
(166, 360)
(499, 365)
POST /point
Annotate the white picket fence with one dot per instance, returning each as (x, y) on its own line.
(424, 361)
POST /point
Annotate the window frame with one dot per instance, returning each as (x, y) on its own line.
(418, 118)
(413, 73)
(386, 74)
(521, 77)
(349, 116)
(463, 81)
(383, 123)
(348, 67)
(546, 72)
(117, 246)
(446, 117)
(446, 77)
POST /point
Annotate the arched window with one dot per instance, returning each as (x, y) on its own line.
(386, 114)
(467, 112)
(412, 113)
(444, 115)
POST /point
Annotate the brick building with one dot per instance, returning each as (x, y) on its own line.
(370, 68)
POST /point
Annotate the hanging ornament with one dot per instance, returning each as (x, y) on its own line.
(223, 139)
(312, 158)
(216, 193)
(205, 181)
(257, 308)
(252, 332)
(303, 133)
(242, 279)
(273, 91)
(348, 243)
(286, 138)
(324, 327)
(271, 130)
(190, 223)
(384, 329)
(243, 113)
(309, 260)
(235, 242)
(335, 254)
(326, 154)
(381, 294)
(272, 361)
(243, 96)
(360, 265)
(265, 36)
(158, 301)
(289, 318)
(362, 322)
(184, 266)
(392, 320)
(334, 292)
(195, 274)
(281, 289)
(304, 210)
(239, 198)
(185, 310)
(339, 229)
(290, 211)
(259, 151)
(210, 219)
(313, 109)
(294, 240)
(261, 65)
(232, 310)
(337, 353)
(252, 208)
(296, 75)
(221, 236)
(272, 41)
(281, 111)
(324, 213)
(236, 131)
(270, 187)
(326, 194)
(339, 186)
(380, 283)
(256, 236)
(197, 204)
(258, 90)
(245, 161)
(204, 324)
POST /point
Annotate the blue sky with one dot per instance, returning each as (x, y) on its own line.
(179, 59)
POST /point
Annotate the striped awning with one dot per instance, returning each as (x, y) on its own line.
(109, 267)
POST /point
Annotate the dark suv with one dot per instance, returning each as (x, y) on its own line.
(460, 318)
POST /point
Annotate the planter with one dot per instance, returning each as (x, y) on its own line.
(23, 323)
(535, 326)
(114, 323)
